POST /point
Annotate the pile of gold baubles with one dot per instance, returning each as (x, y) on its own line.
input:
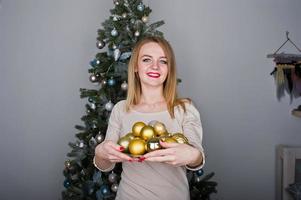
(146, 138)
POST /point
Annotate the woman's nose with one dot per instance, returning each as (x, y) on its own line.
(155, 65)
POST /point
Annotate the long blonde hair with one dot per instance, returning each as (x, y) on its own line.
(170, 84)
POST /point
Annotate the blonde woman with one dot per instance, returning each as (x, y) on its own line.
(160, 174)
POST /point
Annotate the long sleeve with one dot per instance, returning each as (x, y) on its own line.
(113, 130)
(192, 128)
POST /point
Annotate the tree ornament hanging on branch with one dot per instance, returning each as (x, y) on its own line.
(100, 44)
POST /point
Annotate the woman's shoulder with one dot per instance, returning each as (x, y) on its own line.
(186, 106)
(120, 106)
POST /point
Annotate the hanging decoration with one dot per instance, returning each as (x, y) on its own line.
(287, 73)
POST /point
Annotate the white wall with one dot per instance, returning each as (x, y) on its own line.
(221, 48)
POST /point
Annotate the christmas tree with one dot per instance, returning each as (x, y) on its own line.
(126, 25)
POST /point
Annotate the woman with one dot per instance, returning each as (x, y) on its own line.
(160, 174)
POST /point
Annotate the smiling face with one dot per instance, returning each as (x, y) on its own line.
(152, 65)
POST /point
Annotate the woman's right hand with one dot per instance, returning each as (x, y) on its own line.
(108, 150)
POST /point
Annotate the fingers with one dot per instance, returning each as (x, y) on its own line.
(168, 145)
(160, 152)
(166, 159)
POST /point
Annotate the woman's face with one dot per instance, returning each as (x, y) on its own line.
(152, 65)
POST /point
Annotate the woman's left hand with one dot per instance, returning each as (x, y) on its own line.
(175, 154)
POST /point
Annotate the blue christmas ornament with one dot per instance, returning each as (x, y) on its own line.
(111, 82)
(105, 190)
(140, 7)
(200, 172)
(114, 32)
(67, 183)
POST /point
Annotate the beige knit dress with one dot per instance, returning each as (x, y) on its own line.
(154, 180)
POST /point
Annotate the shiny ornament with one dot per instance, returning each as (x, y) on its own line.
(199, 172)
(140, 7)
(117, 53)
(93, 78)
(114, 32)
(124, 15)
(97, 63)
(115, 19)
(104, 190)
(124, 142)
(109, 106)
(103, 82)
(92, 142)
(67, 183)
(137, 128)
(80, 144)
(124, 86)
(111, 82)
(147, 132)
(67, 164)
(137, 147)
(100, 44)
(130, 136)
(144, 19)
(116, 2)
(168, 139)
(112, 177)
(160, 129)
(99, 138)
(93, 106)
(137, 33)
(114, 187)
(153, 144)
(114, 46)
(180, 138)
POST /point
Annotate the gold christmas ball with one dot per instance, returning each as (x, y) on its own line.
(180, 138)
(137, 147)
(170, 140)
(144, 19)
(160, 129)
(124, 142)
(130, 136)
(153, 144)
(147, 132)
(137, 128)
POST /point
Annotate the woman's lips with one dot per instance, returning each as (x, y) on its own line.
(153, 74)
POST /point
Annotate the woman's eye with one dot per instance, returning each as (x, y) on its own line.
(163, 62)
(146, 60)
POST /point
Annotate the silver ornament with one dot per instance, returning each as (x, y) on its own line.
(117, 53)
(144, 19)
(112, 177)
(99, 138)
(93, 78)
(124, 86)
(152, 123)
(114, 32)
(116, 2)
(80, 144)
(137, 33)
(92, 142)
(124, 15)
(93, 106)
(115, 19)
(114, 46)
(140, 7)
(109, 106)
(103, 82)
(67, 164)
(100, 44)
(114, 187)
